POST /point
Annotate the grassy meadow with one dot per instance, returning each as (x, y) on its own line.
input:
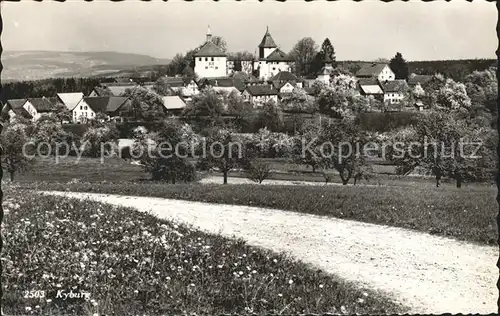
(133, 263)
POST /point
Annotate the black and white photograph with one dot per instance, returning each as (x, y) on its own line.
(249, 158)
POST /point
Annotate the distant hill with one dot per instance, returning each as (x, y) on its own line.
(33, 65)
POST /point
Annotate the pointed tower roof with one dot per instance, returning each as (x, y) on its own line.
(267, 40)
(327, 59)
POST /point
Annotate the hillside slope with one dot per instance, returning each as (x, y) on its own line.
(32, 65)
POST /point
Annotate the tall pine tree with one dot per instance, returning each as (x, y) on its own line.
(399, 66)
(318, 61)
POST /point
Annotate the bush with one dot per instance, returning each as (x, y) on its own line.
(258, 170)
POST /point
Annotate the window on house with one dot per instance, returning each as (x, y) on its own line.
(206, 67)
(212, 59)
(216, 67)
(199, 59)
(206, 58)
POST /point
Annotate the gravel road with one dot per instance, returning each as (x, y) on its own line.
(427, 273)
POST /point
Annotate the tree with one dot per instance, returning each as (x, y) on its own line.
(63, 113)
(162, 88)
(339, 149)
(207, 104)
(220, 42)
(49, 136)
(307, 146)
(271, 116)
(220, 150)
(443, 146)
(146, 105)
(399, 66)
(296, 104)
(13, 139)
(165, 154)
(453, 97)
(258, 170)
(337, 98)
(303, 53)
(482, 88)
(100, 141)
(318, 61)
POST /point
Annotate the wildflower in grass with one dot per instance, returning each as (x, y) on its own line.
(360, 300)
(48, 300)
(290, 282)
(220, 266)
(321, 286)
(37, 306)
(28, 308)
(192, 284)
(343, 309)
(275, 261)
(253, 271)
(280, 295)
(168, 278)
(157, 272)
(135, 291)
(240, 272)
(365, 294)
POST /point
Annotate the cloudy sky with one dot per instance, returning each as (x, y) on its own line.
(358, 30)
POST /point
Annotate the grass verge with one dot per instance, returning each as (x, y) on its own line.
(465, 214)
(134, 263)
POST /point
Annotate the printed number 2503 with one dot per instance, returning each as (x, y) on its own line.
(34, 294)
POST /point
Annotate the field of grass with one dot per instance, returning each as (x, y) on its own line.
(118, 170)
(465, 214)
(133, 263)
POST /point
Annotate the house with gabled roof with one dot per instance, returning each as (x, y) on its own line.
(414, 80)
(272, 60)
(370, 86)
(394, 91)
(37, 107)
(260, 94)
(381, 71)
(285, 82)
(108, 89)
(70, 99)
(112, 107)
(223, 84)
(15, 107)
(210, 61)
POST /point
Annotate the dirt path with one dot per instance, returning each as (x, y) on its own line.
(427, 273)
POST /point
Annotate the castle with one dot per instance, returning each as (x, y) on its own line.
(212, 62)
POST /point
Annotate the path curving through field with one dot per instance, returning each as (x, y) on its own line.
(429, 274)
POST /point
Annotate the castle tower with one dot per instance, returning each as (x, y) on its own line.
(267, 45)
(209, 35)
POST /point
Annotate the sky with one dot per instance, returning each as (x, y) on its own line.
(358, 30)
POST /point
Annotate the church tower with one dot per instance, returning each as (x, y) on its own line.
(267, 45)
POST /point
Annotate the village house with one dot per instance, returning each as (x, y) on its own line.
(37, 107)
(226, 85)
(285, 82)
(394, 91)
(370, 87)
(15, 107)
(376, 70)
(112, 107)
(112, 89)
(260, 94)
(174, 105)
(70, 99)
(210, 61)
(418, 80)
(271, 59)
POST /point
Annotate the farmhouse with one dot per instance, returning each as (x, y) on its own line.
(71, 99)
(271, 59)
(210, 61)
(89, 107)
(226, 85)
(370, 86)
(112, 89)
(376, 70)
(394, 91)
(15, 107)
(415, 80)
(285, 82)
(260, 94)
(36, 107)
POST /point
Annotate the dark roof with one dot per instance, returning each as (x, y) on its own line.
(416, 79)
(174, 82)
(103, 92)
(210, 50)
(277, 55)
(279, 84)
(257, 90)
(267, 41)
(105, 104)
(16, 103)
(370, 70)
(21, 111)
(327, 59)
(368, 81)
(398, 85)
(43, 104)
(284, 76)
